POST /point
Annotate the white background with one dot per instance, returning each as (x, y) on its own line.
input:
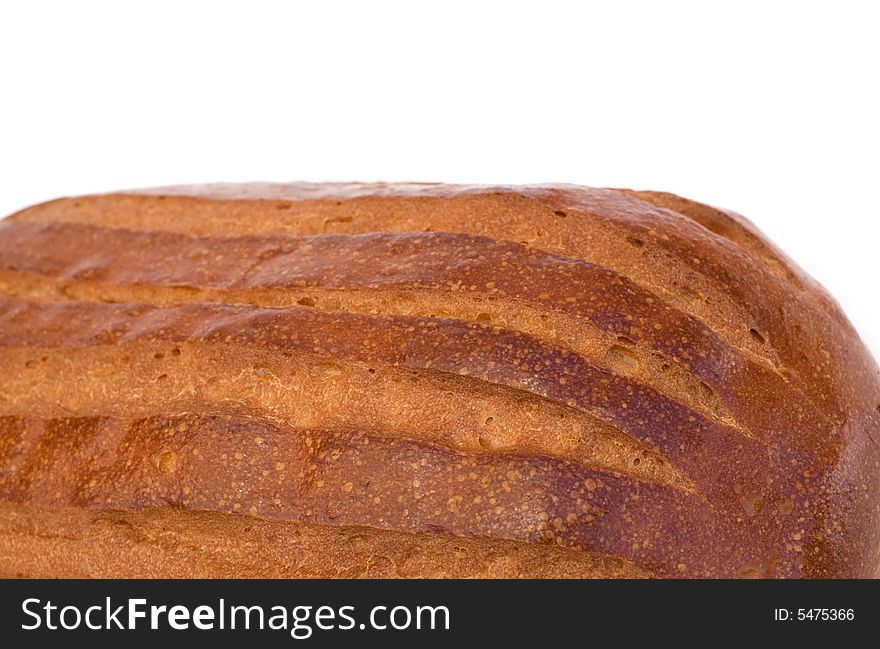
(769, 108)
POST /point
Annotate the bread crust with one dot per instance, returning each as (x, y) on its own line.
(630, 382)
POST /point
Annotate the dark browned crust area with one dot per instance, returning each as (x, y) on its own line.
(622, 383)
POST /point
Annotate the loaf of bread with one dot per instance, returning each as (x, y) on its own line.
(304, 380)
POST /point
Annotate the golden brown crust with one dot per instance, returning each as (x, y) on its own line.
(37, 543)
(618, 373)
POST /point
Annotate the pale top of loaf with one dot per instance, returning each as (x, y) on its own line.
(621, 383)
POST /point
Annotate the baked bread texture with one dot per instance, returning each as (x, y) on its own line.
(417, 380)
